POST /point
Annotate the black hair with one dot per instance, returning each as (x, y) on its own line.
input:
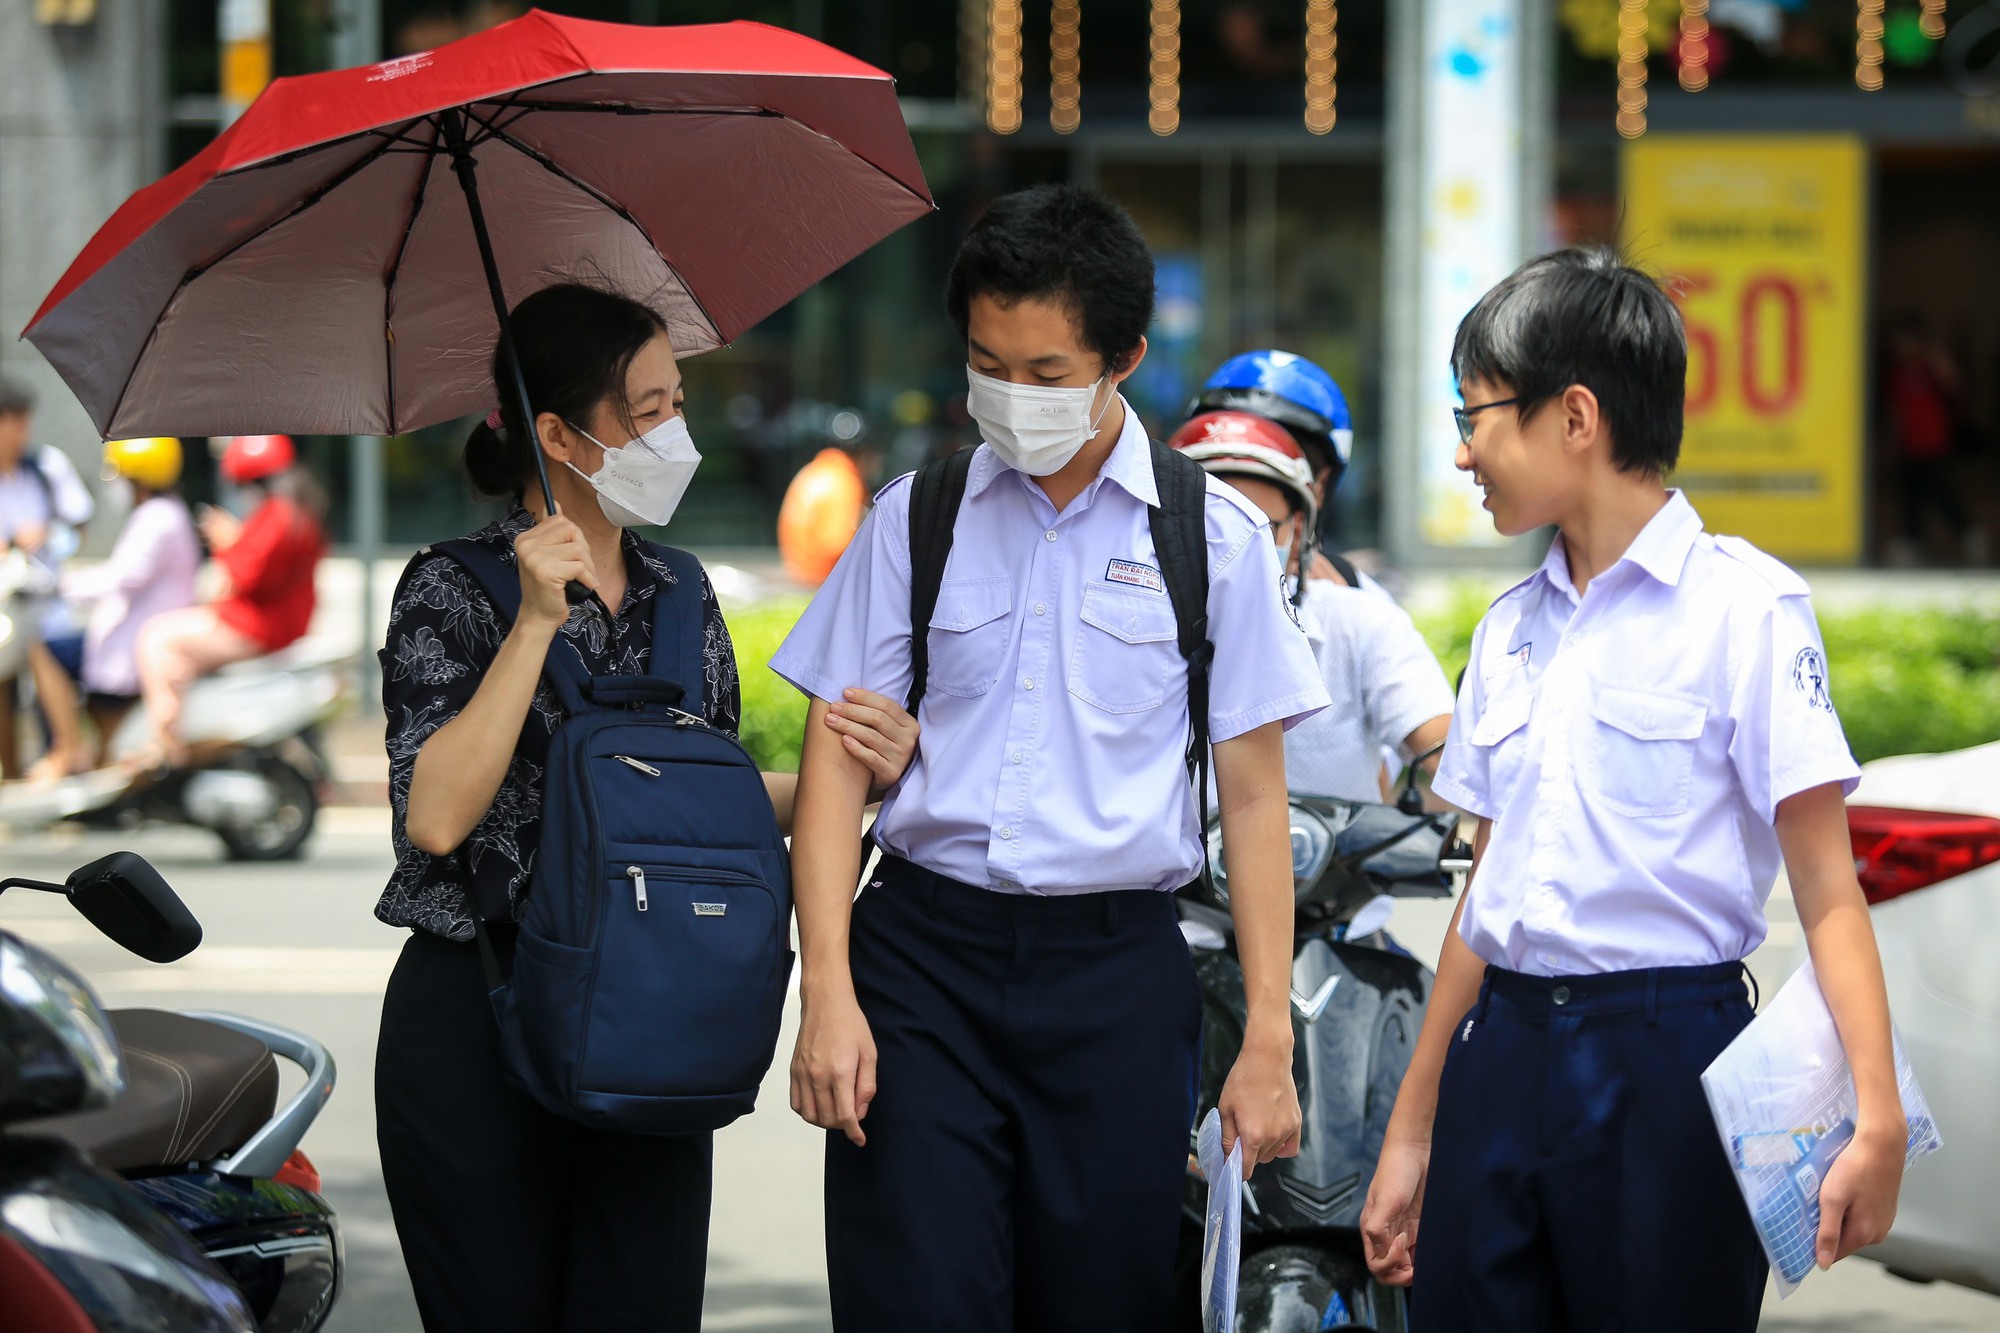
(15, 400)
(1064, 243)
(1585, 316)
(576, 344)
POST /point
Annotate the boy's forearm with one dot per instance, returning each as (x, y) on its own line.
(1849, 968)
(826, 851)
(1454, 990)
(1256, 812)
(1819, 858)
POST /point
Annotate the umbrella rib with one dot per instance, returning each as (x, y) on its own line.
(396, 269)
(551, 165)
(320, 192)
(187, 278)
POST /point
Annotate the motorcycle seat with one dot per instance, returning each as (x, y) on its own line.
(193, 1092)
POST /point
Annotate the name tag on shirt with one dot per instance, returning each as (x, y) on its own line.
(1507, 663)
(1135, 574)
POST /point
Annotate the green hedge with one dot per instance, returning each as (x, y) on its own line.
(1906, 681)
(774, 714)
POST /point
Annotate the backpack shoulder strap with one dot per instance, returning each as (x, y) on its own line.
(1180, 538)
(680, 628)
(934, 499)
(1343, 566)
(501, 582)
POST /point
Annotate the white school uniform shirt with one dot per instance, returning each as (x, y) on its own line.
(1631, 747)
(1054, 727)
(1385, 683)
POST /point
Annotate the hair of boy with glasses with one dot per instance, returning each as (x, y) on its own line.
(1585, 316)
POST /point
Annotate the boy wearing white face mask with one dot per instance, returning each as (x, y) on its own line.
(1001, 1032)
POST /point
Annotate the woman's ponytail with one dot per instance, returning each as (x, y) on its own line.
(494, 459)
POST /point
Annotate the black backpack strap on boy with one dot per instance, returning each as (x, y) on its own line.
(1180, 537)
(934, 499)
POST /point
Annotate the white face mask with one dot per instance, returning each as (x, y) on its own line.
(641, 484)
(1035, 428)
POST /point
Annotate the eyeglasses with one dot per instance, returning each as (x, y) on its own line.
(1463, 416)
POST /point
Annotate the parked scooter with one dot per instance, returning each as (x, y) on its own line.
(256, 770)
(217, 1225)
(1357, 1005)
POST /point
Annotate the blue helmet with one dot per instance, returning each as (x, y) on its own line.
(1295, 393)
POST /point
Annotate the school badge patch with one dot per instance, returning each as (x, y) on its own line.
(1809, 676)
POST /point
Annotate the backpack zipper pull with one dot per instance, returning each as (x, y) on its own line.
(641, 765)
(638, 878)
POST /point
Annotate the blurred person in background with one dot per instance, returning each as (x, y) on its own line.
(43, 508)
(270, 558)
(1920, 388)
(150, 571)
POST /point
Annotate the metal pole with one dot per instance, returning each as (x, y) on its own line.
(357, 40)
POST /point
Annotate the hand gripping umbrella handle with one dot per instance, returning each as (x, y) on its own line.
(451, 125)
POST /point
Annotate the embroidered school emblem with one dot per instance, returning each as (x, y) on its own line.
(1809, 676)
(1135, 574)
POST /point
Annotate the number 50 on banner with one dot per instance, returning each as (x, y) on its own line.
(1761, 242)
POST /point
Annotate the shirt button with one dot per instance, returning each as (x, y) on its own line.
(1028, 684)
(1017, 756)
(1050, 534)
(1041, 609)
(1560, 995)
(1006, 834)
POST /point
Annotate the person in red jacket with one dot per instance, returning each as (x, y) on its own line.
(269, 557)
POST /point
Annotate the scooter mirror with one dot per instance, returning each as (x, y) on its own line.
(123, 896)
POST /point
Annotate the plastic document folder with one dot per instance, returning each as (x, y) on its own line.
(1222, 1238)
(1783, 1098)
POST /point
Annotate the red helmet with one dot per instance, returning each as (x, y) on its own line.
(255, 457)
(1244, 444)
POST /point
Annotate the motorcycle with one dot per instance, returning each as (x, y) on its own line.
(213, 1222)
(256, 765)
(1357, 1005)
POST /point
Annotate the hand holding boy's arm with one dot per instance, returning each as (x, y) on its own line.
(833, 1066)
(1260, 1102)
(1858, 1200)
(1390, 1218)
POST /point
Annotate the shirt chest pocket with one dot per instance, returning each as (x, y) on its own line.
(968, 635)
(1640, 750)
(1126, 650)
(1500, 739)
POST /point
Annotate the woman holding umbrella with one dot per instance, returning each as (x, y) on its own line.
(510, 1216)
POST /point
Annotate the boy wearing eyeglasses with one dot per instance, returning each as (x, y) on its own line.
(1643, 733)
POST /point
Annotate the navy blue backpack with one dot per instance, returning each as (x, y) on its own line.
(652, 962)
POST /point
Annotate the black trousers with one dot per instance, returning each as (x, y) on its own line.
(512, 1218)
(1029, 1135)
(1577, 1182)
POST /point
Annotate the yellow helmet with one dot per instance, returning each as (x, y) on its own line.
(154, 463)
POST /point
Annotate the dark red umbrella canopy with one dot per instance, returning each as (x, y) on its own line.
(315, 270)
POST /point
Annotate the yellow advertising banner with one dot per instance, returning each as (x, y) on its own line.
(1761, 240)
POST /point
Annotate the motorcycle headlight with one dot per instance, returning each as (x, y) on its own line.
(1312, 849)
(66, 1055)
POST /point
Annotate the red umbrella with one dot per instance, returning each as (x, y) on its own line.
(316, 270)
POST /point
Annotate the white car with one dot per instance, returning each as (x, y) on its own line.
(1926, 832)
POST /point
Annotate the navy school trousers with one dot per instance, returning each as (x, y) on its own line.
(1029, 1136)
(1577, 1181)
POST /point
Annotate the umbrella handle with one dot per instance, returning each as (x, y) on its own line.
(451, 125)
